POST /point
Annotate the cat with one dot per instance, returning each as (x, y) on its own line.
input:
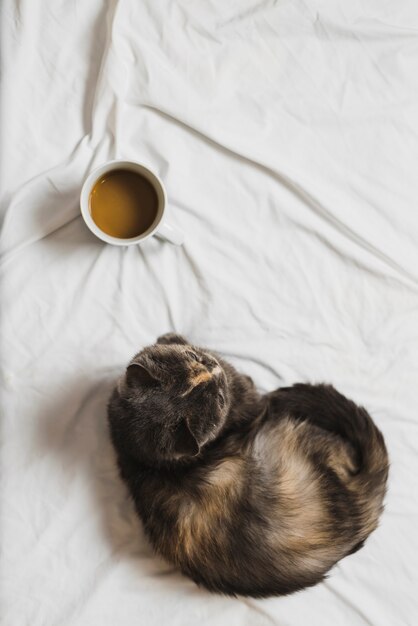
(246, 494)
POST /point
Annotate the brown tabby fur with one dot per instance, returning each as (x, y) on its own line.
(246, 494)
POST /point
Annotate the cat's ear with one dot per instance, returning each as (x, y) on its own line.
(185, 442)
(172, 338)
(137, 374)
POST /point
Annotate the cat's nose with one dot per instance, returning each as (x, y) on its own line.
(214, 368)
(209, 362)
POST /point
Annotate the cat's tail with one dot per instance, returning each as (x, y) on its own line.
(325, 407)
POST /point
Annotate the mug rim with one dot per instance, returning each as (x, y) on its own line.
(114, 165)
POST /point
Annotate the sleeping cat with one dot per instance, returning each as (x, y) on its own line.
(246, 494)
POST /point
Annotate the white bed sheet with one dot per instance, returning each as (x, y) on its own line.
(286, 134)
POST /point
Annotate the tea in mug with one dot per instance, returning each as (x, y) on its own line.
(123, 204)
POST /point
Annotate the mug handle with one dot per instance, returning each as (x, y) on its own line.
(171, 234)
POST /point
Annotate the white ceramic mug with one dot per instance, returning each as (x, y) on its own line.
(158, 227)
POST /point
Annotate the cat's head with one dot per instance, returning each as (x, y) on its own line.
(176, 400)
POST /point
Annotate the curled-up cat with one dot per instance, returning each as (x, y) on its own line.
(246, 494)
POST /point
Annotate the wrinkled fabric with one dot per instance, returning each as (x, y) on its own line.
(286, 135)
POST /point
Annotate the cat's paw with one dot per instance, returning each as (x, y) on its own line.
(172, 338)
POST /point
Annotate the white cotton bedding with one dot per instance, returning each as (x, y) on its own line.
(286, 133)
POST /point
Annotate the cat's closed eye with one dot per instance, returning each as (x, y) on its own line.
(195, 357)
(221, 398)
